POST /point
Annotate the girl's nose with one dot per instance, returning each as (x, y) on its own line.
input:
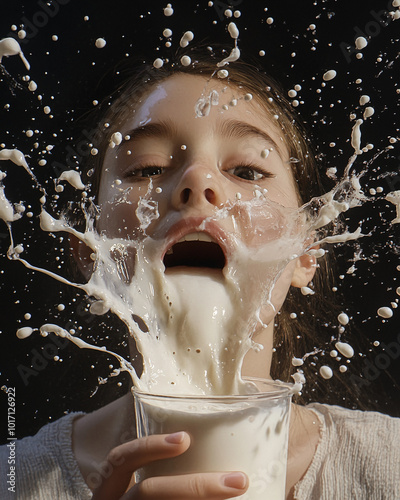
(197, 186)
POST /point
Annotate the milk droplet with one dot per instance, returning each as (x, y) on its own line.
(100, 43)
(222, 73)
(343, 319)
(186, 38)
(21, 34)
(116, 139)
(305, 290)
(185, 60)
(168, 10)
(61, 307)
(361, 43)
(345, 349)
(23, 333)
(265, 153)
(333, 353)
(158, 63)
(54, 38)
(369, 111)
(32, 86)
(167, 33)
(27, 316)
(343, 368)
(233, 30)
(293, 315)
(385, 312)
(72, 177)
(297, 362)
(326, 372)
(47, 110)
(329, 75)
(270, 20)
(364, 99)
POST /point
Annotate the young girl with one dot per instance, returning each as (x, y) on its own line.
(194, 164)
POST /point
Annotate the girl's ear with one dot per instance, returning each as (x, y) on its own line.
(81, 254)
(306, 265)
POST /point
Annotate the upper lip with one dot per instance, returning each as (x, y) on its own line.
(198, 229)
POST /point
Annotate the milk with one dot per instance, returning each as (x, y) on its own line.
(242, 433)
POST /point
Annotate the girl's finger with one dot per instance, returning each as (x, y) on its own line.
(210, 486)
(125, 459)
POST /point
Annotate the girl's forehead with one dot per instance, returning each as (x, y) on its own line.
(181, 92)
(177, 97)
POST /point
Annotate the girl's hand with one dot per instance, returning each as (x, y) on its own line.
(129, 457)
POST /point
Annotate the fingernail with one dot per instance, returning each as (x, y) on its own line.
(235, 480)
(175, 438)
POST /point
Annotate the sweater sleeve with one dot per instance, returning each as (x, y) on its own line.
(45, 466)
(358, 457)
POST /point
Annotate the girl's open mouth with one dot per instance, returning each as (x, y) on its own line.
(195, 250)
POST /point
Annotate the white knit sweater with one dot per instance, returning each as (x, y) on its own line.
(358, 457)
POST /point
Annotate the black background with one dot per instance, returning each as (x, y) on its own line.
(71, 72)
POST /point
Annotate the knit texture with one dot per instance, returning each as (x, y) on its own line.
(46, 468)
(358, 457)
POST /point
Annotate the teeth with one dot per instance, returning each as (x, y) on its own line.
(196, 237)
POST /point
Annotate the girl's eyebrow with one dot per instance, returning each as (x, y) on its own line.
(164, 129)
(237, 129)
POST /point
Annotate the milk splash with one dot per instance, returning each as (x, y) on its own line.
(123, 282)
(186, 349)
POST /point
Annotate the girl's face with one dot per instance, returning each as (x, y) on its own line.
(192, 164)
(186, 170)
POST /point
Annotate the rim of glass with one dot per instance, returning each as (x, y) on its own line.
(280, 389)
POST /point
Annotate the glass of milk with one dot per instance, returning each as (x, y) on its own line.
(247, 433)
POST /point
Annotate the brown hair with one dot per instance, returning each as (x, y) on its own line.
(315, 323)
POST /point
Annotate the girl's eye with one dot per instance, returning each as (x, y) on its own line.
(248, 173)
(150, 171)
